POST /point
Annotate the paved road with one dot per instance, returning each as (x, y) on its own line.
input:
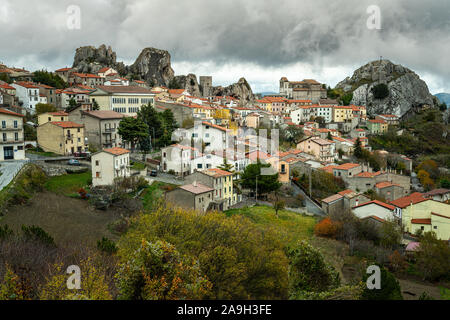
(310, 205)
(9, 169)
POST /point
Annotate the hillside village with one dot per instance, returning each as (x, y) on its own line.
(312, 150)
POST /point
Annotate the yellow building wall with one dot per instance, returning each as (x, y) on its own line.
(423, 210)
(52, 138)
(44, 118)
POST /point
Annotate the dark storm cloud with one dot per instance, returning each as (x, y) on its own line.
(269, 34)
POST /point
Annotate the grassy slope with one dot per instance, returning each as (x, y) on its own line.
(68, 184)
(293, 226)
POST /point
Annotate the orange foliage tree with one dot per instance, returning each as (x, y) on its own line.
(327, 228)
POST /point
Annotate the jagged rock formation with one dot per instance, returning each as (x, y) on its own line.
(240, 90)
(153, 66)
(407, 92)
(189, 83)
(90, 59)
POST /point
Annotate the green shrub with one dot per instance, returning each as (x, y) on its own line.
(34, 233)
(308, 271)
(5, 232)
(107, 246)
(390, 288)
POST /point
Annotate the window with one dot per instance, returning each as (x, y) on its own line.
(435, 227)
(4, 137)
(97, 163)
(15, 124)
(97, 175)
(16, 136)
(422, 228)
(3, 124)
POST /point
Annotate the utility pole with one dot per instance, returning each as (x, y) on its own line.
(256, 189)
(310, 182)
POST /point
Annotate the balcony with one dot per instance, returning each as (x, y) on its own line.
(109, 130)
(20, 141)
(11, 128)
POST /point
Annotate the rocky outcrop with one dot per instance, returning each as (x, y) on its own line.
(90, 60)
(153, 66)
(407, 92)
(240, 90)
(189, 83)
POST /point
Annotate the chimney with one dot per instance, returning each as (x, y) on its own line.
(195, 184)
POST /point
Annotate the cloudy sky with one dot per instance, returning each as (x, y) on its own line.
(259, 40)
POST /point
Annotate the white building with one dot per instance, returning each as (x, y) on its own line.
(28, 94)
(325, 112)
(375, 208)
(299, 115)
(178, 159)
(213, 136)
(109, 165)
(11, 136)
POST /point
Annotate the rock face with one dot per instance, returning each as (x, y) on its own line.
(240, 90)
(91, 60)
(407, 92)
(153, 66)
(190, 84)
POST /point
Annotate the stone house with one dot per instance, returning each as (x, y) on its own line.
(195, 196)
(63, 138)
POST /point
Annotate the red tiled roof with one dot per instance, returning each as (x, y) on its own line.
(385, 184)
(368, 174)
(6, 86)
(382, 204)
(117, 151)
(28, 85)
(67, 124)
(5, 111)
(63, 69)
(198, 188)
(421, 221)
(343, 193)
(332, 198)
(216, 173)
(347, 166)
(408, 200)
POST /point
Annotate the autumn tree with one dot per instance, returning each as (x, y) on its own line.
(93, 283)
(157, 271)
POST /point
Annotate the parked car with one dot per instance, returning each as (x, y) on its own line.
(73, 162)
(154, 173)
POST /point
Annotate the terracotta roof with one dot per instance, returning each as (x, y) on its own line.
(6, 86)
(347, 166)
(217, 173)
(368, 174)
(86, 75)
(176, 91)
(67, 124)
(379, 203)
(198, 188)
(421, 221)
(214, 126)
(117, 151)
(5, 111)
(124, 89)
(28, 85)
(408, 200)
(333, 198)
(385, 184)
(103, 70)
(63, 70)
(329, 169)
(104, 114)
(348, 191)
(440, 215)
(378, 121)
